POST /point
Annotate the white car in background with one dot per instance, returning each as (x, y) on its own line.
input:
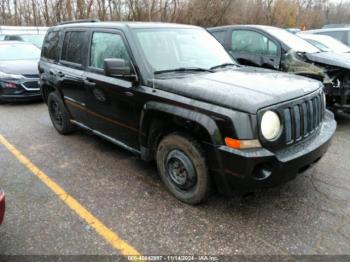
(342, 34)
(325, 43)
(30, 34)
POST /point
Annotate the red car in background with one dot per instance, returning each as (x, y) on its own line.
(2, 206)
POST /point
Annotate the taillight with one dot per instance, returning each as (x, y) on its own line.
(2, 206)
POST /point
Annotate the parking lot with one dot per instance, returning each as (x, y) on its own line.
(309, 215)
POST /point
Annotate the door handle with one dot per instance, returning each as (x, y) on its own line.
(60, 74)
(89, 83)
(128, 93)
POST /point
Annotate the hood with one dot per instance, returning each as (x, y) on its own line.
(20, 67)
(245, 89)
(330, 58)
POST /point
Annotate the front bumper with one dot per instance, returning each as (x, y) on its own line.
(23, 96)
(25, 90)
(2, 206)
(245, 170)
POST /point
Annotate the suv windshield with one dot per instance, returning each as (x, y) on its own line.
(19, 52)
(181, 48)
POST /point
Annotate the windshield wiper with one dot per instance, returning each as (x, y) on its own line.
(224, 65)
(184, 69)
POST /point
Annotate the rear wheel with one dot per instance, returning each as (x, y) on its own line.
(183, 169)
(59, 115)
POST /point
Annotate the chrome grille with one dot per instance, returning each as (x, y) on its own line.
(31, 85)
(301, 120)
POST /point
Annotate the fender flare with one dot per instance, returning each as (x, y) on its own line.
(203, 120)
(197, 117)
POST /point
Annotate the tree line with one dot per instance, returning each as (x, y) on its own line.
(283, 13)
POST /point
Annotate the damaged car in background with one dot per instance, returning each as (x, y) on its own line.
(275, 48)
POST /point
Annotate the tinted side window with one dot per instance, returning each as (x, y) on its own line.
(107, 45)
(50, 49)
(220, 36)
(244, 41)
(73, 47)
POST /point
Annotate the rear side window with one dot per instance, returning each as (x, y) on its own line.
(220, 36)
(73, 47)
(50, 49)
(107, 45)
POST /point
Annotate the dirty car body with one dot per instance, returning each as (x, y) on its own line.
(173, 94)
(275, 48)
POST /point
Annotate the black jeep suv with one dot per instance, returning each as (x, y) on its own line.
(171, 93)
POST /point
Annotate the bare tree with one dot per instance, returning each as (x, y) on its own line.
(283, 13)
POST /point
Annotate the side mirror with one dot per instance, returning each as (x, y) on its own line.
(116, 67)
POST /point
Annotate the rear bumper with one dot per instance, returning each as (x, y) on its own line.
(2, 206)
(245, 170)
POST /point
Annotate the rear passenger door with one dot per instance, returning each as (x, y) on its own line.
(70, 73)
(253, 48)
(110, 100)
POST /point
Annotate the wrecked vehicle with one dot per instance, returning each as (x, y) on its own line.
(275, 48)
(171, 93)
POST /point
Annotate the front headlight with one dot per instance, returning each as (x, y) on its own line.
(270, 125)
(10, 76)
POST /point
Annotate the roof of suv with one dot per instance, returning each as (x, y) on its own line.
(126, 24)
(262, 27)
(328, 30)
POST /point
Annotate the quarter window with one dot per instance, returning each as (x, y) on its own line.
(244, 41)
(73, 47)
(107, 45)
(220, 36)
(50, 46)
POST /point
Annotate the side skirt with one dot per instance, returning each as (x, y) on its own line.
(108, 138)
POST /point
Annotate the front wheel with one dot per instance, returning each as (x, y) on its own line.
(59, 115)
(183, 169)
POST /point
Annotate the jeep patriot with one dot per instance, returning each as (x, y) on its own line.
(171, 93)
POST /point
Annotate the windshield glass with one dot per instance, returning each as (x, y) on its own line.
(293, 41)
(333, 44)
(173, 48)
(34, 39)
(319, 45)
(19, 52)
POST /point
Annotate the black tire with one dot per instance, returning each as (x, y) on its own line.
(59, 115)
(183, 169)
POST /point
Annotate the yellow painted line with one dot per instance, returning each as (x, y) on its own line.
(112, 238)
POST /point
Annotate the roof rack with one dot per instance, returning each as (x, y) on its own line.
(79, 21)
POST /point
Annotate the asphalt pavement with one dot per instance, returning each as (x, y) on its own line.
(309, 215)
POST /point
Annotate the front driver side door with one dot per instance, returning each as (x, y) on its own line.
(110, 100)
(255, 49)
